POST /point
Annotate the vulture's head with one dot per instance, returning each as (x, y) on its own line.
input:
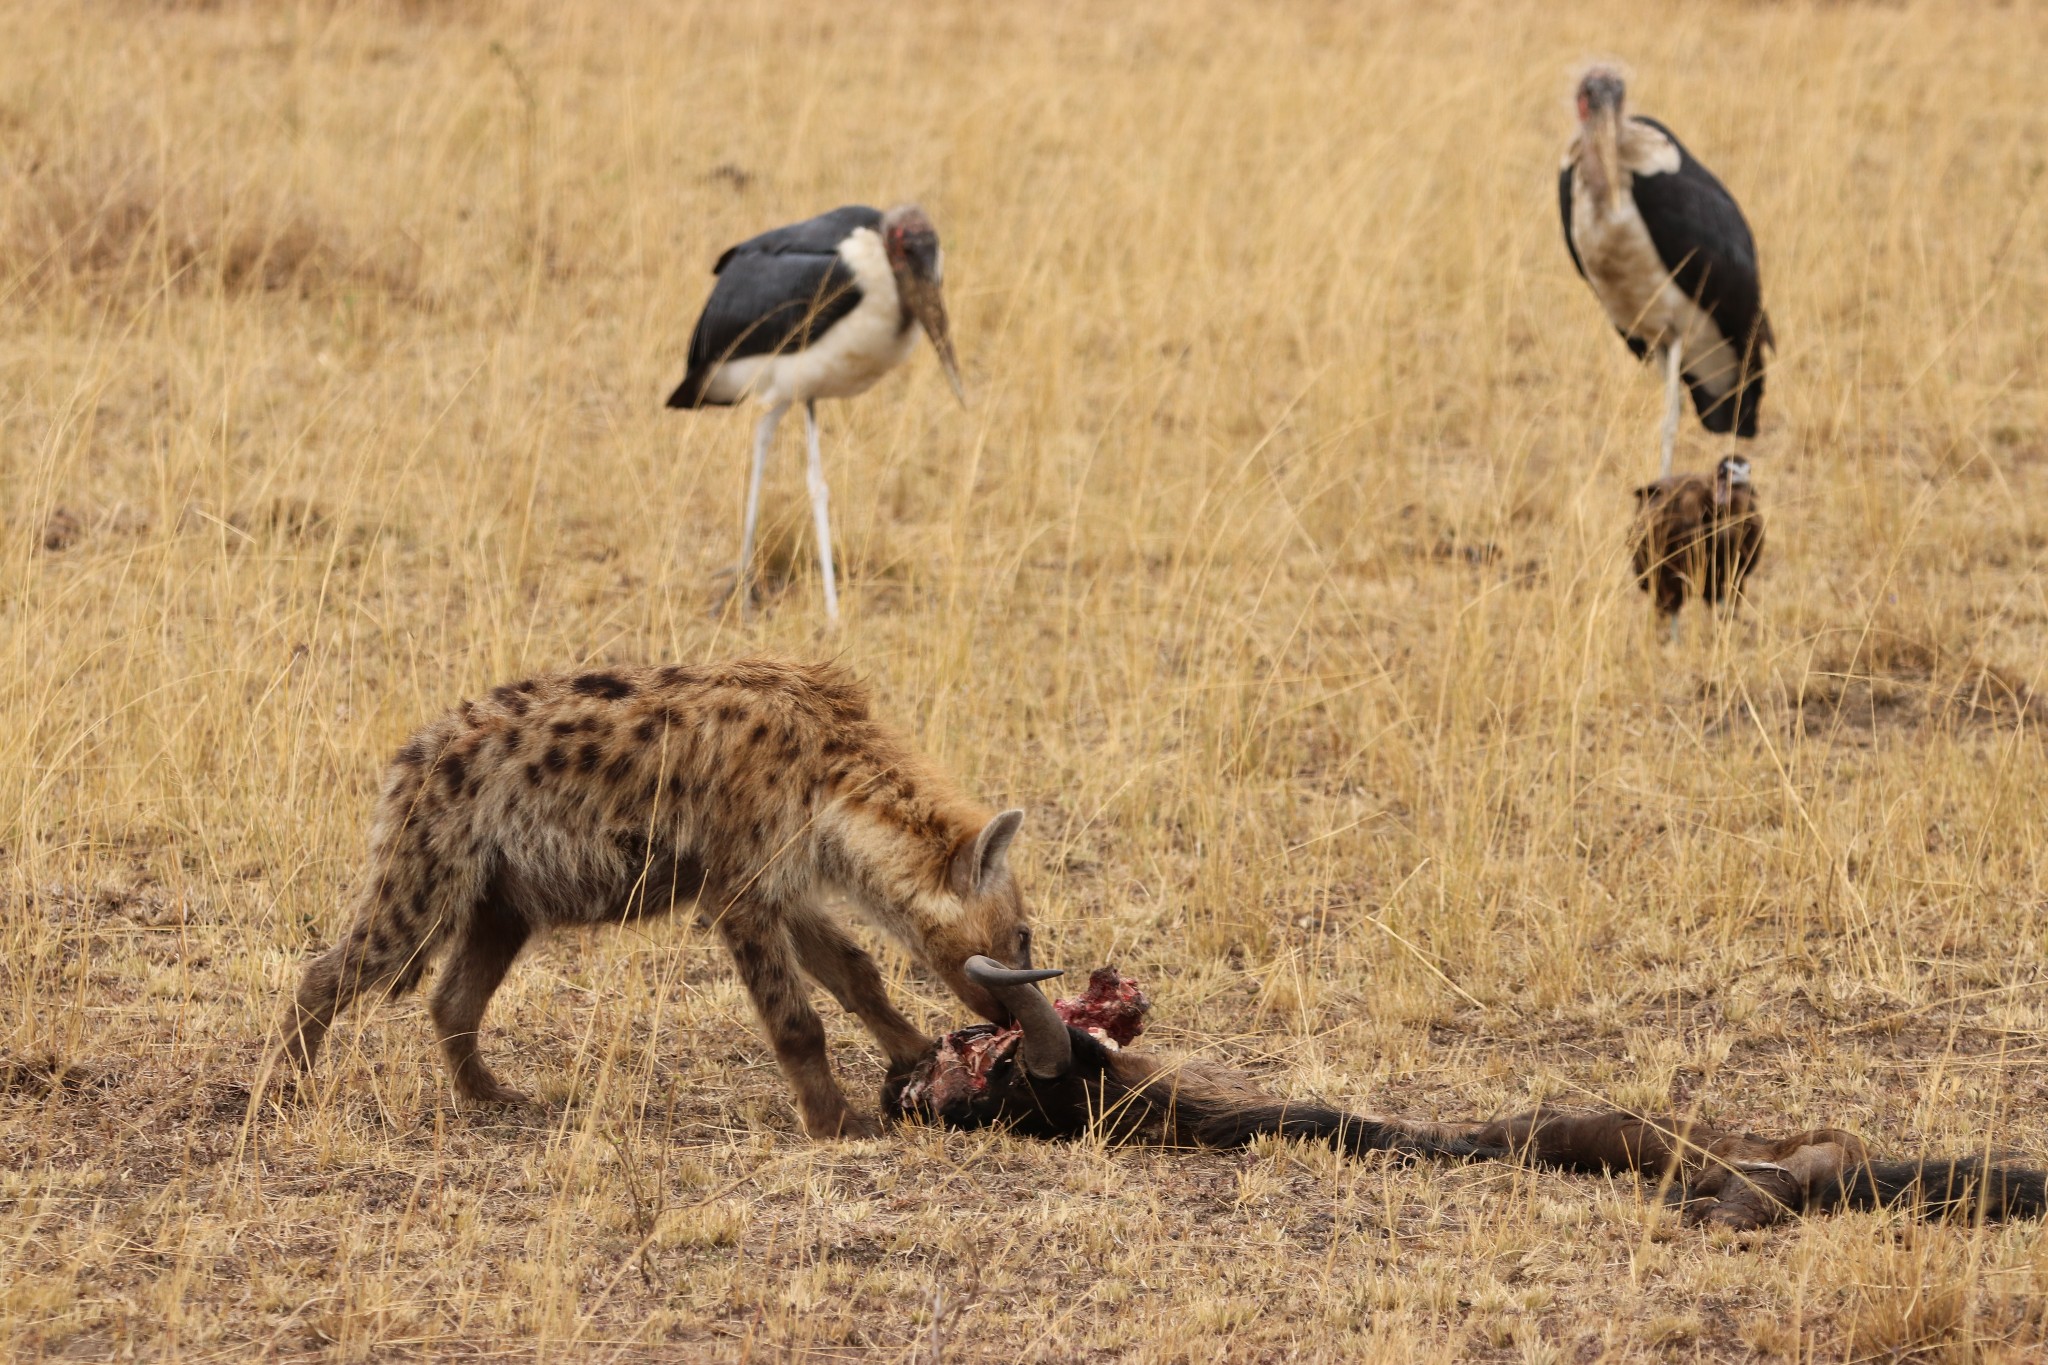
(1732, 473)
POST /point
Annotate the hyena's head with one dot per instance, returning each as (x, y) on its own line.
(988, 916)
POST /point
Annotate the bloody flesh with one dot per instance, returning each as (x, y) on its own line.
(1112, 1010)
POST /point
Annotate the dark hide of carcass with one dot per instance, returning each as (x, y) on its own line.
(1062, 1071)
(1728, 1178)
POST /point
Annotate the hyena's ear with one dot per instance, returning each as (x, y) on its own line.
(980, 859)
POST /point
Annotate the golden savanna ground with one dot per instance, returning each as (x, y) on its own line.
(1278, 571)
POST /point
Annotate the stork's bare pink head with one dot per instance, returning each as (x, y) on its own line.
(912, 244)
(1601, 91)
(1600, 96)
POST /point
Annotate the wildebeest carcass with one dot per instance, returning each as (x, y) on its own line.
(1064, 1071)
(1695, 535)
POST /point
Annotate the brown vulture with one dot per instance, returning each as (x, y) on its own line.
(1696, 534)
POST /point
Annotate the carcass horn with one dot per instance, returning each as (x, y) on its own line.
(1048, 1051)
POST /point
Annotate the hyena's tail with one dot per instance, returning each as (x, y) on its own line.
(1965, 1188)
(414, 897)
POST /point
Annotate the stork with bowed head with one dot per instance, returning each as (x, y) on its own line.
(1670, 257)
(819, 309)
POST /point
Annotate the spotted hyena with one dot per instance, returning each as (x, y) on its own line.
(758, 789)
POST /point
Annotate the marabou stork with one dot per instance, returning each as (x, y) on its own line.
(1697, 535)
(819, 309)
(1670, 257)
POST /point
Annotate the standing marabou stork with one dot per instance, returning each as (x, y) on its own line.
(818, 309)
(1670, 257)
(1697, 535)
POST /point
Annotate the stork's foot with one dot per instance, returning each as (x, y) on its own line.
(750, 601)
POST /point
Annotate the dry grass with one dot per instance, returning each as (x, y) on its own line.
(1278, 571)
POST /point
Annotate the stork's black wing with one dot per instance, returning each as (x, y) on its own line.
(775, 293)
(1705, 242)
(1564, 209)
(818, 236)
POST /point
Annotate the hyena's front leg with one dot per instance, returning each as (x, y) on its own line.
(844, 968)
(766, 960)
(480, 955)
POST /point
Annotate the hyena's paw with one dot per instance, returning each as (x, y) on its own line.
(847, 1125)
(489, 1094)
(284, 1081)
(480, 1089)
(288, 1090)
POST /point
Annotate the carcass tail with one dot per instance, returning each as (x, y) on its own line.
(1969, 1187)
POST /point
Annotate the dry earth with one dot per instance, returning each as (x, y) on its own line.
(1278, 572)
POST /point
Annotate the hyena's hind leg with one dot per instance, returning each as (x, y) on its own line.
(480, 952)
(845, 969)
(415, 899)
(380, 954)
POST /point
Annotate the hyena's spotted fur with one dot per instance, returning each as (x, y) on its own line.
(758, 788)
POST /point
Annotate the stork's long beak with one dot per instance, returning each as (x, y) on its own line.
(1604, 145)
(928, 305)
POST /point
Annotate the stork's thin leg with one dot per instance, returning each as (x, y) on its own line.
(819, 497)
(1674, 627)
(1673, 389)
(764, 432)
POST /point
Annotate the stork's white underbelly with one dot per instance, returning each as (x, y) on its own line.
(849, 358)
(1639, 295)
